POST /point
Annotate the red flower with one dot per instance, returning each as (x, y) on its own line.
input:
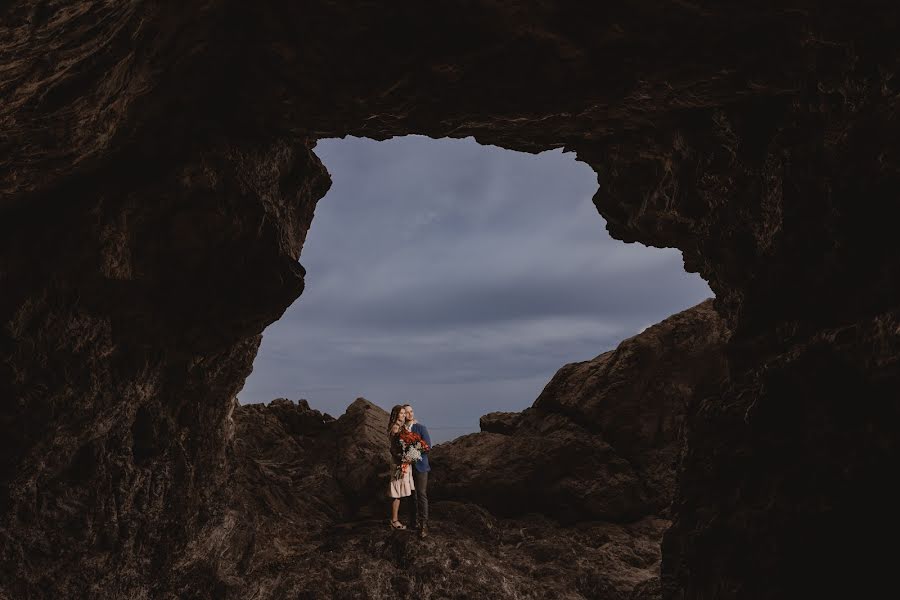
(410, 438)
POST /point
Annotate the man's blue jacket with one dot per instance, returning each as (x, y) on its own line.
(422, 465)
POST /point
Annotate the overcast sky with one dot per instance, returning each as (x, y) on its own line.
(458, 278)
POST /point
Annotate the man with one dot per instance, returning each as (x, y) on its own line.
(420, 475)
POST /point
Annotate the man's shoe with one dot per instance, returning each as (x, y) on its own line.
(423, 531)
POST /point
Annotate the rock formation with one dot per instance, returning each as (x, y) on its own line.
(603, 439)
(307, 517)
(157, 180)
(547, 509)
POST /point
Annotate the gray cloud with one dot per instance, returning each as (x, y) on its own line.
(458, 277)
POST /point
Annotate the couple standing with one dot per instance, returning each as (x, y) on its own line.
(409, 474)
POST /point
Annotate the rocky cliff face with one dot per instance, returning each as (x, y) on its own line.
(157, 182)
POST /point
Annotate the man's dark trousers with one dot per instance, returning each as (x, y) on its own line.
(420, 478)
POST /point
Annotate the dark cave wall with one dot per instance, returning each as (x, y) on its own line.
(132, 319)
(779, 489)
(157, 184)
(782, 490)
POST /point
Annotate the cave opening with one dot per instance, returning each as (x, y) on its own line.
(157, 184)
(458, 277)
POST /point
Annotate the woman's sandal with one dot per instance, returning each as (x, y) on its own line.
(397, 525)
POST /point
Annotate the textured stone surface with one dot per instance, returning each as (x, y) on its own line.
(635, 397)
(499, 422)
(603, 438)
(549, 509)
(299, 523)
(791, 457)
(157, 182)
(131, 318)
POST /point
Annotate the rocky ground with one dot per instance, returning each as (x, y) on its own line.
(300, 529)
(566, 499)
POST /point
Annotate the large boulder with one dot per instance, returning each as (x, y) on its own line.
(362, 456)
(568, 474)
(637, 395)
(337, 466)
(602, 439)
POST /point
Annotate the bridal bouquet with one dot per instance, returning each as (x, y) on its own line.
(413, 449)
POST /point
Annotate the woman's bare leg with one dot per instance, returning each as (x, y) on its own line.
(395, 508)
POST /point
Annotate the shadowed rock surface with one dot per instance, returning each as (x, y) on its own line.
(603, 438)
(300, 524)
(157, 181)
(548, 509)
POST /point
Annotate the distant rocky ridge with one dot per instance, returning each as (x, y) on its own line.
(566, 499)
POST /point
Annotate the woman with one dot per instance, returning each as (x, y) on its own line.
(402, 486)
